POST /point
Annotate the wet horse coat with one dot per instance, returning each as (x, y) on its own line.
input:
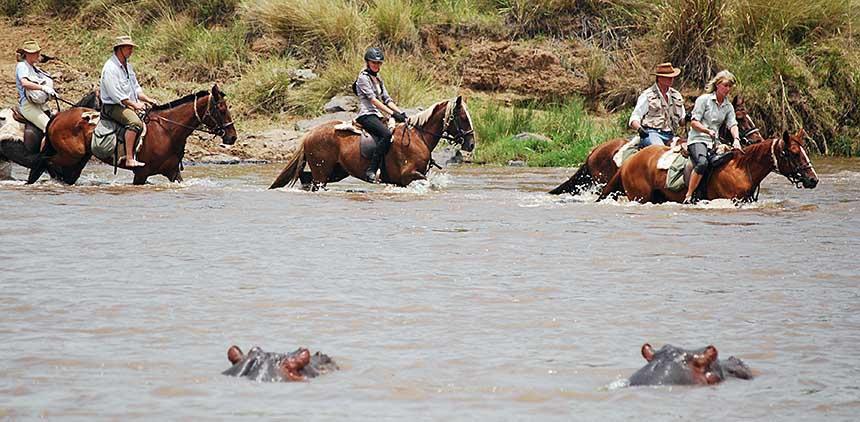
(334, 154)
(739, 179)
(168, 126)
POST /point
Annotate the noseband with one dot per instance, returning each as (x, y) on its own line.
(795, 175)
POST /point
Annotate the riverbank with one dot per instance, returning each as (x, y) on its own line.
(567, 71)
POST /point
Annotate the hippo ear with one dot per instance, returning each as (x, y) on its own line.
(705, 358)
(234, 354)
(647, 352)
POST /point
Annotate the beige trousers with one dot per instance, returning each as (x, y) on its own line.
(35, 113)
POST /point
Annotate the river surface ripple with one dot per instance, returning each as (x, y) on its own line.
(473, 296)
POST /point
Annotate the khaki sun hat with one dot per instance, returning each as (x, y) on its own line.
(29, 47)
(667, 70)
(123, 40)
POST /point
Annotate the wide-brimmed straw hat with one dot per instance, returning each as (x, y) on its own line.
(667, 70)
(123, 40)
(29, 47)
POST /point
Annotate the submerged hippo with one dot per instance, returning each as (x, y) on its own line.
(675, 366)
(272, 367)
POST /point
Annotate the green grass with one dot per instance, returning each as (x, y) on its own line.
(392, 20)
(265, 88)
(572, 131)
(315, 26)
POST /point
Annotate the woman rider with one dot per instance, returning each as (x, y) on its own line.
(31, 82)
(374, 101)
(712, 110)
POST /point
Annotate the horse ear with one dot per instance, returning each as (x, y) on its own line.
(647, 352)
(459, 100)
(786, 139)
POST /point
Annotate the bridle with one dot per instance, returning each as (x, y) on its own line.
(448, 122)
(220, 130)
(795, 175)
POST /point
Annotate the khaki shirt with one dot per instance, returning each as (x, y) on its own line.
(653, 111)
(712, 116)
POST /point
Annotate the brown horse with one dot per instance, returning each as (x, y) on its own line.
(167, 128)
(334, 154)
(738, 179)
(599, 166)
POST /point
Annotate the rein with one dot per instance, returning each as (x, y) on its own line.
(222, 128)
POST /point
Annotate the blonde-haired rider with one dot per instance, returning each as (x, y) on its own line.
(30, 78)
(712, 110)
(659, 110)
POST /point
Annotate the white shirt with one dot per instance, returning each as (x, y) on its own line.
(118, 82)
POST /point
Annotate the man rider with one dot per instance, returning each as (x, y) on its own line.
(659, 111)
(122, 97)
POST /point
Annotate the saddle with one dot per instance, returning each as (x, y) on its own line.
(679, 167)
(366, 142)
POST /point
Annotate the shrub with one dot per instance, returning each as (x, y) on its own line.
(393, 22)
(572, 131)
(795, 21)
(691, 35)
(265, 88)
(315, 25)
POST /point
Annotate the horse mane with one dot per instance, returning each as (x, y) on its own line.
(176, 103)
(421, 118)
(754, 151)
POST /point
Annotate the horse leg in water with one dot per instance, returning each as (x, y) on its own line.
(71, 174)
(306, 178)
(140, 176)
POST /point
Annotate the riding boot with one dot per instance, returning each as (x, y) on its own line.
(370, 173)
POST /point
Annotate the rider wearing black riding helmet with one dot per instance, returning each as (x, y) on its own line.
(374, 101)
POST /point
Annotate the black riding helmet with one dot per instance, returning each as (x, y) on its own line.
(374, 54)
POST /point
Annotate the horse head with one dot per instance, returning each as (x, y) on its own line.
(792, 160)
(747, 129)
(217, 116)
(459, 128)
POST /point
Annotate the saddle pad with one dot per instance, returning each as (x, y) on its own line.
(347, 126)
(626, 151)
(667, 158)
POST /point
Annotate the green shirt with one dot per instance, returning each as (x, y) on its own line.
(711, 115)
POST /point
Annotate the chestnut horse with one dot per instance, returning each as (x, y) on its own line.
(167, 128)
(738, 179)
(20, 142)
(599, 166)
(333, 154)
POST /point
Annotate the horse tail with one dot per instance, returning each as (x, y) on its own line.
(577, 182)
(614, 185)
(293, 169)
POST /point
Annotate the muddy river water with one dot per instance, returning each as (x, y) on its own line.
(472, 297)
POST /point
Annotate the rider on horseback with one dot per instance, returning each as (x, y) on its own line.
(374, 101)
(121, 95)
(659, 111)
(35, 87)
(712, 110)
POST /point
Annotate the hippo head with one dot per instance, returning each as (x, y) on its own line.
(264, 366)
(676, 366)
